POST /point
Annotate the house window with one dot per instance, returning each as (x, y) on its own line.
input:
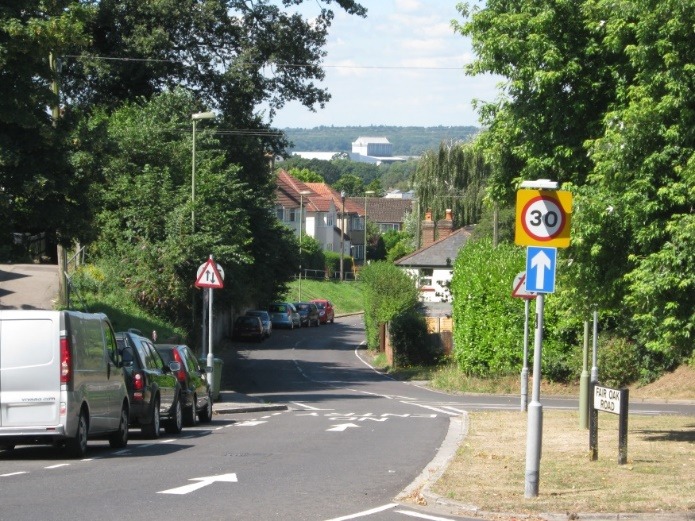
(280, 212)
(426, 277)
(329, 246)
(356, 223)
(358, 251)
(329, 220)
(387, 227)
(293, 214)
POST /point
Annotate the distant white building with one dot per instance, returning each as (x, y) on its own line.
(374, 150)
(399, 194)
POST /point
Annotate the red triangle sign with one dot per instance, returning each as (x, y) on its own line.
(209, 276)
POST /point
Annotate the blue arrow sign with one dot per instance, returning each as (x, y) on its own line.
(540, 269)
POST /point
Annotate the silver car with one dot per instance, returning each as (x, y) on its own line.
(284, 314)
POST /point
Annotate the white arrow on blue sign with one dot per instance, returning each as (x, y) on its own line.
(540, 269)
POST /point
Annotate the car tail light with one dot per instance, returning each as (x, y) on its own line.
(65, 361)
(138, 385)
(180, 374)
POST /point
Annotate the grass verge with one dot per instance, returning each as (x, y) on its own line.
(346, 296)
(488, 472)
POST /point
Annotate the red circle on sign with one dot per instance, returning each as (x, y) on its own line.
(551, 231)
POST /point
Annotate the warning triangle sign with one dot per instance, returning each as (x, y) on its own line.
(209, 276)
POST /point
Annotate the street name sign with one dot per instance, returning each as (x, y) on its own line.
(607, 399)
(543, 218)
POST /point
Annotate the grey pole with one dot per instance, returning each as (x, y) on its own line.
(594, 367)
(535, 411)
(524, 371)
(584, 382)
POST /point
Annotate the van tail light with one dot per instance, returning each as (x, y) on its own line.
(65, 361)
(180, 374)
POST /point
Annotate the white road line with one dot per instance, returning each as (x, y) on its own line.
(309, 407)
(58, 466)
(365, 513)
(13, 474)
(436, 409)
(423, 516)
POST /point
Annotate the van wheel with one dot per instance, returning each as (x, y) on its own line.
(191, 414)
(77, 446)
(119, 439)
(206, 414)
(175, 423)
(151, 429)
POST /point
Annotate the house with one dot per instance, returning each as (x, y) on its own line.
(432, 266)
(318, 211)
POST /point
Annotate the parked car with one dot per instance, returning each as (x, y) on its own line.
(248, 327)
(265, 320)
(57, 367)
(308, 313)
(284, 314)
(152, 386)
(326, 311)
(196, 396)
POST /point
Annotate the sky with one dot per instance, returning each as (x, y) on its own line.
(401, 66)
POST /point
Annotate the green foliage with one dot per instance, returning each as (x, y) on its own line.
(453, 177)
(410, 341)
(313, 256)
(619, 361)
(305, 175)
(388, 292)
(489, 323)
(350, 184)
(598, 96)
(346, 296)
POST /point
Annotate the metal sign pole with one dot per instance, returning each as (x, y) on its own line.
(210, 356)
(535, 410)
(524, 371)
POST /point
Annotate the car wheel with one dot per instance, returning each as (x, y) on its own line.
(175, 424)
(191, 416)
(119, 439)
(206, 414)
(151, 430)
(77, 446)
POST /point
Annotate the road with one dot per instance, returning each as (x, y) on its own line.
(349, 442)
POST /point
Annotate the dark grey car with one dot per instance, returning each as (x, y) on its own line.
(308, 313)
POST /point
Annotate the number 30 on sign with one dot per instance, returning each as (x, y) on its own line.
(543, 218)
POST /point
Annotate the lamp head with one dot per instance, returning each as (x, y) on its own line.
(203, 115)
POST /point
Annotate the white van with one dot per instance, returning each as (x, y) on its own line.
(60, 380)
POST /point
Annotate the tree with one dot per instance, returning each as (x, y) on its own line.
(305, 175)
(35, 177)
(452, 178)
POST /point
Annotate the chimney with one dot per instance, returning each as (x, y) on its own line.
(427, 229)
(445, 226)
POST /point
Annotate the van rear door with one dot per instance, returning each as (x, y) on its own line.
(29, 368)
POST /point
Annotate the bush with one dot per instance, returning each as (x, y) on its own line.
(618, 361)
(410, 341)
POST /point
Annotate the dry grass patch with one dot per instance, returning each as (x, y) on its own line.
(489, 468)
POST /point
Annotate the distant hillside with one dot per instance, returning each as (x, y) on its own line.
(407, 141)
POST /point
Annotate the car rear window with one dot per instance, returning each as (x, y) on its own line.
(278, 308)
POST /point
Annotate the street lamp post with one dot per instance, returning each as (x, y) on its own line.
(301, 219)
(342, 234)
(366, 193)
(195, 117)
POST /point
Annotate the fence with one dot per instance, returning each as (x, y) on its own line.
(439, 333)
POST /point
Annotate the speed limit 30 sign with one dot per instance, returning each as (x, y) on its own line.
(543, 218)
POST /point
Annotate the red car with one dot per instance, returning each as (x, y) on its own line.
(326, 311)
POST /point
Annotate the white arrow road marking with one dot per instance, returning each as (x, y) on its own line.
(249, 423)
(341, 427)
(541, 262)
(202, 482)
